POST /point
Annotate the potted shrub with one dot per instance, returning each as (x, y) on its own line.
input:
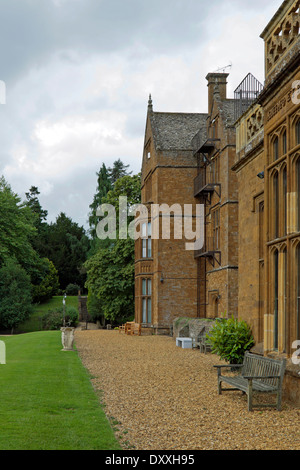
(230, 339)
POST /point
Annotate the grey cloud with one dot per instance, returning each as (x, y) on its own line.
(33, 30)
(43, 45)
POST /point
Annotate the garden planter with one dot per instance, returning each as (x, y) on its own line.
(67, 338)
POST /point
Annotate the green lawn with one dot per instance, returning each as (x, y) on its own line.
(47, 400)
(34, 323)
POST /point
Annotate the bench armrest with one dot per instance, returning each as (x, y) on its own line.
(251, 377)
(229, 365)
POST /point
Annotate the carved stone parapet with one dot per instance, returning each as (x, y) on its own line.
(283, 36)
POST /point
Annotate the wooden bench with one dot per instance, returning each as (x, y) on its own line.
(128, 327)
(204, 344)
(257, 373)
(131, 328)
(136, 329)
(202, 341)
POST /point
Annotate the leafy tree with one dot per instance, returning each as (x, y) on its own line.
(117, 171)
(95, 308)
(34, 204)
(53, 319)
(103, 186)
(47, 284)
(16, 229)
(39, 241)
(111, 279)
(15, 295)
(72, 289)
(127, 186)
(67, 247)
(110, 271)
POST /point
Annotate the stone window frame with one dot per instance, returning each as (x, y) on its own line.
(295, 128)
(278, 295)
(146, 300)
(146, 245)
(216, 227)
(278, 144)
(295, 287)
(214, 302)
(214, 170)
(295, 193)
(297, 290)
(214, 127)
(147, 150)
(278, 200)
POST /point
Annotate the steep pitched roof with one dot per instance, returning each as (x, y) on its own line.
(175, 131)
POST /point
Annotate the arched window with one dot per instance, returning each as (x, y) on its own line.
(146, 240)
(146, 300)
(276, 205)
(284, 188)
(276, 298)
(285, 294)
(297, 132)
(298, 193)
(275, 149)
(298, 289)
(284, 143)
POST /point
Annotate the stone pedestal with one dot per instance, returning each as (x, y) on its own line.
(67, 338)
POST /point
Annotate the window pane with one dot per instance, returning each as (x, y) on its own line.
(149, 229)
(144, 287)
(285, 298)
(149, 286)
(144, 249)
(298, 132)
(298, 291)
(144, 230)
(149, 311)
(276, 205)
(149, 248)
(144, 318)
(276, 300)
(298, 192)
(285, 200)
(276, 149)
(284, 147)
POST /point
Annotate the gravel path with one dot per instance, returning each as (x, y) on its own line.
(165, 398)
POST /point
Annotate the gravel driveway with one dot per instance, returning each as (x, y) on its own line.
(163, 397)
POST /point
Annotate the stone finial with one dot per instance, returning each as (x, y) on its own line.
(150, 105)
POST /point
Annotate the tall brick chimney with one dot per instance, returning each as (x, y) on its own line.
(218, 80)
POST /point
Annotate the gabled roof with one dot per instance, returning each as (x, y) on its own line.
(175, 131)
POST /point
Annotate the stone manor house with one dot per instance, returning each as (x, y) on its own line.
(241, 161)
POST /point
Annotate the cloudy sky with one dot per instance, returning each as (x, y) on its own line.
(78, 74)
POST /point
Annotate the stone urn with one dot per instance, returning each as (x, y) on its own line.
(67, 338)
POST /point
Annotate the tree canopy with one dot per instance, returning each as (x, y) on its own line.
(103, 186)
(16, 229)
(36, 258)
(118, 170)
(66, 246)
(110, 270)
(15, 295)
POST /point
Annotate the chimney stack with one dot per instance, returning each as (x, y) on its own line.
(216, 82)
